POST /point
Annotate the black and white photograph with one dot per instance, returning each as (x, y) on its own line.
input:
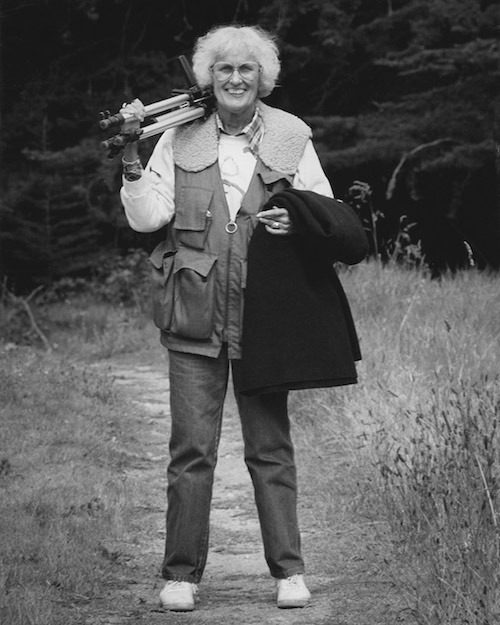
(249, 312)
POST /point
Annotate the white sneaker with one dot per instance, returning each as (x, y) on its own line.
(178, 596)
(292, 592)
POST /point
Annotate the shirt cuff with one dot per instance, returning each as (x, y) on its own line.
(135, 188)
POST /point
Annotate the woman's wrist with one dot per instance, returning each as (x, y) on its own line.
(132, 167)
(130, 161)
(130, 153)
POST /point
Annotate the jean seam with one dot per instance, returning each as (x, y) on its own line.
(203, 553)
(281, 539)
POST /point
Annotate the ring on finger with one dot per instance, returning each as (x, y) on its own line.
(276, 224)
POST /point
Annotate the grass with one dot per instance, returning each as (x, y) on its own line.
(95, 330)
(421, 434)
(441, 492)
(63, 489)
(415, 441)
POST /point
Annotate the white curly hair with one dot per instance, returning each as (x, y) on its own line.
(258, 43)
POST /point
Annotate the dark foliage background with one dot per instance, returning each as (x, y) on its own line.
(401, 94)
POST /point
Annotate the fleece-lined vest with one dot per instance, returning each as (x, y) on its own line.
(199, 271)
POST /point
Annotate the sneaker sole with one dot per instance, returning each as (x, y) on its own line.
(298, 603)
(178, 607)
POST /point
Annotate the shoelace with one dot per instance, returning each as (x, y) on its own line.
(174, 583)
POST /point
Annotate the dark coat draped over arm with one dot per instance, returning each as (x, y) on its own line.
(298, 330)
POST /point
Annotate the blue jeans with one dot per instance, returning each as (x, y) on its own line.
(198, 386)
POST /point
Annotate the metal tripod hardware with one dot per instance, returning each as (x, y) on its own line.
(185, 106)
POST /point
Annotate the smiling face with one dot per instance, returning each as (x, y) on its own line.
(236, 95)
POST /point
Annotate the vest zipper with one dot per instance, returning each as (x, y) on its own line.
(228, 285)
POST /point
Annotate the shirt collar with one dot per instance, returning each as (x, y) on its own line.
(253, 131)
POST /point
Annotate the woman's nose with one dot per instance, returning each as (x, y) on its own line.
(235, 76)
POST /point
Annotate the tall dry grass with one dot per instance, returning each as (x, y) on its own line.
(420, 431)
(416, 444)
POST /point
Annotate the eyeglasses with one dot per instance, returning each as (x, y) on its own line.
(224, 71)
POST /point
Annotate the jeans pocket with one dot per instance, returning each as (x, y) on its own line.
(162, 284)
(194, 294)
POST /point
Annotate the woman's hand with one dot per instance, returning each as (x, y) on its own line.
(276, 220)
(138, 112)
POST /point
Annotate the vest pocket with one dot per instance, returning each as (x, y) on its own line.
(194, 294)
(162, 284)
(193, 217)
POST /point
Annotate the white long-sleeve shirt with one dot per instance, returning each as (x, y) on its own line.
(149, 202)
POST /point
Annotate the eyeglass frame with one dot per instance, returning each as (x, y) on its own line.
(236, 69)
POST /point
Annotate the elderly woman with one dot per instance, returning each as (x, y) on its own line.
(209, 180)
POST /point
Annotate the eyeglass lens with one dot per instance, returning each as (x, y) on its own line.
(223, 71)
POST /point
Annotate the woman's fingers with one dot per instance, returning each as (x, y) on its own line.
(274, 215)
(276, 221)
(135, 108)
(278, 230)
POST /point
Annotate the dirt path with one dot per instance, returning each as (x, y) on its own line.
(236, 588)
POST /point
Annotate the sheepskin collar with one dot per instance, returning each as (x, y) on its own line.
(285, 137)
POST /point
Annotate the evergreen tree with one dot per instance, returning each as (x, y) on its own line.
(400, 94)
(411, 82)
